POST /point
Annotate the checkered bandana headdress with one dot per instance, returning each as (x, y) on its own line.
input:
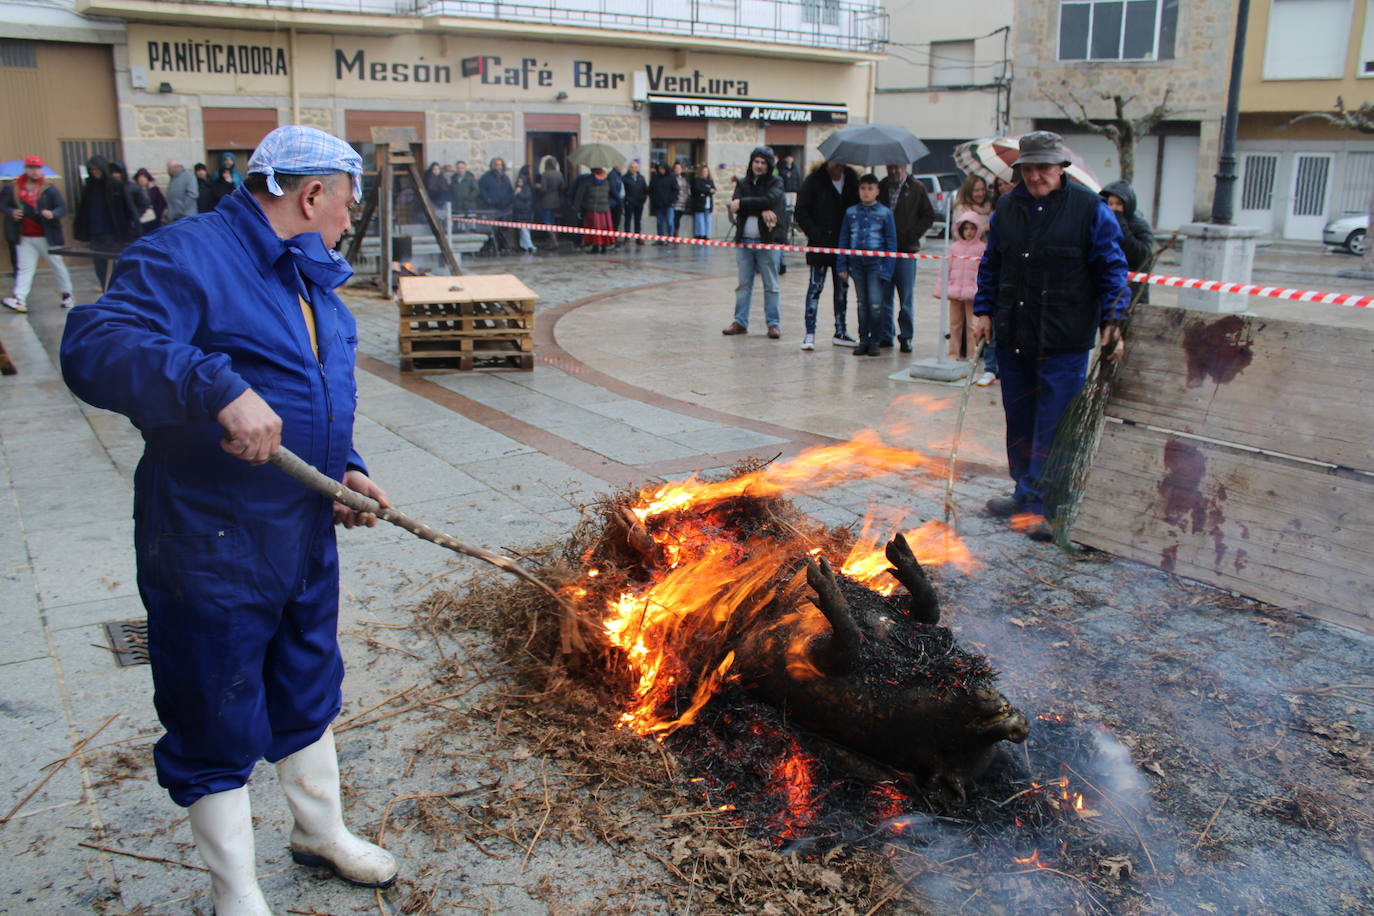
(299, 150)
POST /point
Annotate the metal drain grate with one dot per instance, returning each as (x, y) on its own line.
(129, 641)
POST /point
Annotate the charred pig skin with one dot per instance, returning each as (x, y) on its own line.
(886, 679)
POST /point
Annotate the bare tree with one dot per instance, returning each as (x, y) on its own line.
(1361, 120)
(1124, 132)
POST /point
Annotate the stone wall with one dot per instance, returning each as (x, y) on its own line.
(614, 128)
(323, 118)
(162, 122)
(1195, 78)
(474, 126)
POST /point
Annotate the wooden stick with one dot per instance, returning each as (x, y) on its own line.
(959, 431)
(548, 809)
(139, 855)
(396, 712)
(76, 750)
(1212, 820)
(358, 715)
(307, 476)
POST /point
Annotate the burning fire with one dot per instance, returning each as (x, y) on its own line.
(794, 780)
(710, 581)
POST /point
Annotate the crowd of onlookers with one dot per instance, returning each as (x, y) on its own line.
(680, 199)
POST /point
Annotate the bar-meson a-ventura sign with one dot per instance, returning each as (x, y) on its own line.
(688, 107)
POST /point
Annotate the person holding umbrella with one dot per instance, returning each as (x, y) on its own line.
(1052, 280)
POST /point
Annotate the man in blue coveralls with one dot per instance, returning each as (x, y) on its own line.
(1053, 279)
(221, 338)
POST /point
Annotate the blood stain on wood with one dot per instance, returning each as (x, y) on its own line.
(1219, 350)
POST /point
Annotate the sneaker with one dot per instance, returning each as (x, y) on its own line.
(734, 328)
(14, 305)
(809, 342)
(986, 379)
(67, 300)
(773, 332)
(1041, 531)
(905, 345)
(844, 340)
(1003, 506)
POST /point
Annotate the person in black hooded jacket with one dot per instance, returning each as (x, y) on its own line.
(1137, 236)
(760, 210)
(106, 217)
(825, 195)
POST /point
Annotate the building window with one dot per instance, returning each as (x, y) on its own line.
(1307, 39)
(951, 63)
(17, 52)
(1365, 65)
(1257, 185)
(821, 12)
(1117, 29)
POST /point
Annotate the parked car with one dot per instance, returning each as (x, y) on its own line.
(941, 186)
(1347, 232)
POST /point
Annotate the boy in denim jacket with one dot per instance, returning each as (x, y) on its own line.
(867, 226)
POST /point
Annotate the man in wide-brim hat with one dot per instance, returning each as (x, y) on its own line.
(1052, 282)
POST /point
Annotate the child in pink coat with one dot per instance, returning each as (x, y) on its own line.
(964, 253)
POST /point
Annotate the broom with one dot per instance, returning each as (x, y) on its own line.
(1080, 429)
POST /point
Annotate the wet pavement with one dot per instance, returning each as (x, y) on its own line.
(633, 382)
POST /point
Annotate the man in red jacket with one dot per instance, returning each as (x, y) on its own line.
(37, 207)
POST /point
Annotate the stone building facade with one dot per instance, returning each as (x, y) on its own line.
(1085, 51)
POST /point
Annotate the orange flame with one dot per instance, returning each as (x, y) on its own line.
(1022, 522)
(1032, 859)
(794, 779)
(674, 630)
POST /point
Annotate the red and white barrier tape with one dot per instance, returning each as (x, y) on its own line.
(1247, 289)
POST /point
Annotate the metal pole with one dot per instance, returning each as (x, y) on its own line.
(1224, 196)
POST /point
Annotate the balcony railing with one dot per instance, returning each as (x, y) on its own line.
(837, 24)
(844, 25)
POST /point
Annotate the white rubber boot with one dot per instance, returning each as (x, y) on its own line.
(222, 825)
(310, 779)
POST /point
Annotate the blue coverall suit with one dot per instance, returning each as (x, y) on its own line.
(1053, 273)
(237, 565)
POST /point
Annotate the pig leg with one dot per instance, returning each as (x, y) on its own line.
(842, 649)
(906, 569)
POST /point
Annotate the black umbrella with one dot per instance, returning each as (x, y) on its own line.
(873, 144)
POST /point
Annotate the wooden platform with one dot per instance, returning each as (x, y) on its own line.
(465, 324)
(1238, 451)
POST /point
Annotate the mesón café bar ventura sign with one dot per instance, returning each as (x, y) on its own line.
(721, 90)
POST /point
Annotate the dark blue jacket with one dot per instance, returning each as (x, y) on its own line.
(496, 190)
(1053, 271)
(869, 228)
(49, 198)
(175, 338)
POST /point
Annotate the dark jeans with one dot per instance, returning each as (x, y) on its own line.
(667, 222)
(634, 217)
(102, 265)
(901, 288)
(839, 293)
(1036, 390)
(868, 291)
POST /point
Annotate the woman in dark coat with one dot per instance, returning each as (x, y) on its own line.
(550, 198)
(145, 180)
(205, 194)
(703, 196)
(437, 186)
(223, 186)
(522, 210)
(662, 197)
(593, 201)
(1137, 235)
(144, 217)
(106, 217)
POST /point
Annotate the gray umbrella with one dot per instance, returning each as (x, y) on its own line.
(597, 156)
(873, 144)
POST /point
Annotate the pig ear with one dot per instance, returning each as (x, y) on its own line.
(843, 647)
(906, 569)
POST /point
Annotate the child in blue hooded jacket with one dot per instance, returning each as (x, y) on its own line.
(867, 226)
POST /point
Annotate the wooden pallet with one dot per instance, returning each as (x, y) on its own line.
(7, 366)
(471, 362)
(466, 324)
